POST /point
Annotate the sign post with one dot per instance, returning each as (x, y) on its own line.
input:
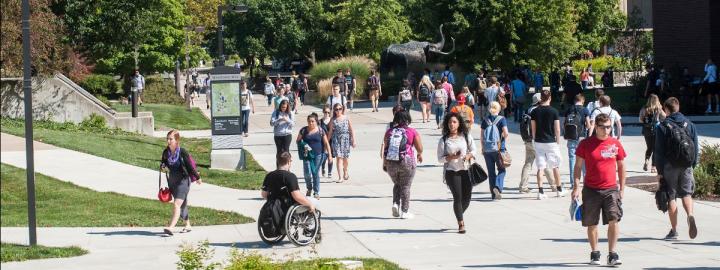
(226, 119)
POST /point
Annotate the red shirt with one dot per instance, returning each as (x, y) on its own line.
(600, 161)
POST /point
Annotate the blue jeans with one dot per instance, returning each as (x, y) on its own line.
(439, 112)
(325, 159)
(311, 173)
(269, 98)
(495, 180)
(572, 145)
(245, 121)
(584, 85)
(517, 111)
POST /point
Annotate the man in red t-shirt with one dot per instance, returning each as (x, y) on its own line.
(602, 156)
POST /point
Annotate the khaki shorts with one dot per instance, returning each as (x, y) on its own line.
(596, 201)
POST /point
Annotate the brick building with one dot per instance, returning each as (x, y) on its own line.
(686, 33)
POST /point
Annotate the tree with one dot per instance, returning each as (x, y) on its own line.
(366, 27)
(635, 43)
(599, 23)
(122, 35)
(48, 51)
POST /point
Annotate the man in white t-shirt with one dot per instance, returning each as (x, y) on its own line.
(595, 104)
(336, 98)
(614, 117)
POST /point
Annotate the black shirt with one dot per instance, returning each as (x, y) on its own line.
(341, 82)
(571, 90)
(279, 183)
(544, 117)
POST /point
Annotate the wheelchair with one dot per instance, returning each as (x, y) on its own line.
(300, 226)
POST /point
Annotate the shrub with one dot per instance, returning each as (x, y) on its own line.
(600, 64)
(101, 85)
(359, 65)
(194, 258)
(707, 173)
(103, 99)
(158, 90)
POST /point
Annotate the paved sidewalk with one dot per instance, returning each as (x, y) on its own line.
(517, 232)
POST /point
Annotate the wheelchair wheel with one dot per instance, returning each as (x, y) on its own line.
(301, 226)
(269, 240)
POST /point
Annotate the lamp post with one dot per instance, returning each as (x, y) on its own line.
(198, 29)
(27, 95)
(231, 8)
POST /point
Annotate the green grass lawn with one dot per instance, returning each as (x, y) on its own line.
(16, 253)
(62, 204)
(326, 263)
(171, 116)
(139, 150)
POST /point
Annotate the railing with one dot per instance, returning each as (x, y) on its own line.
(85, 93)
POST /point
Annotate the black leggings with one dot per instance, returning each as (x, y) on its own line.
(459, 184)
(282, 144)
(650, 143)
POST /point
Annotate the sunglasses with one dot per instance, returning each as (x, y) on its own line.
(338, 109)
(326, 112)
(605, 127)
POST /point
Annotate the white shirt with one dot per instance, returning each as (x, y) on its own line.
(614, 116)
(332, 100)
(452, 146)
(249, 96)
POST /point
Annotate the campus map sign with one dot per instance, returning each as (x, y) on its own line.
(226, 118)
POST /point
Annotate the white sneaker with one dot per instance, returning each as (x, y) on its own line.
(562, 193)
(407, 215)
(541, 196)
(395, 210)
(709, 110)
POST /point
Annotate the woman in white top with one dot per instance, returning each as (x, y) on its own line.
(455, 148)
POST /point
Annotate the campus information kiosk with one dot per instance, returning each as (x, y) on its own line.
(226, 119)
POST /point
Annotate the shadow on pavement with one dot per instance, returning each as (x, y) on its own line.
(130, 233)
(356, 197)
(602, 240)
(712, 244)
(243, 245)
(526, 265)
(680, 268)
(402, 231)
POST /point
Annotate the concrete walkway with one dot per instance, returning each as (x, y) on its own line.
(517, 232)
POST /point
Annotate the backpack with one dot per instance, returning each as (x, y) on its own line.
(463, 112)
(271, 218)
(482, 100)
(424, 91)
(572, 125)
(405, 95)
(299, 85)
(680, 150)
(491, 135)
(525, 129)
(192, 164)
(396, 148)
(244, 99)
(649, 122)
(268, 89)
(438, 98)
(373, 83)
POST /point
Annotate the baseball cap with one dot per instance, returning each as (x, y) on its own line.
(461, 99)
(535, 98)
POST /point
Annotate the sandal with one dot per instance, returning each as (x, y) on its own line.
(461, 227)
(186, 230)
(168, 232)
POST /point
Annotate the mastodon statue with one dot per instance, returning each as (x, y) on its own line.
(412, 55)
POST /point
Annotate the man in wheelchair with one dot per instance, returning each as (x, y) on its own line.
(287, 211)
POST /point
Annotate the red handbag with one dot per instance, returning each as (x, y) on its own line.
(164, 194)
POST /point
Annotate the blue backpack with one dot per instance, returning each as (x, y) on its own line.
(491, 135)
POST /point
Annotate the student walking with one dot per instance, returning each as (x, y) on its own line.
(469, 98)
(405, 97)
(324, 123)
(424, 91)
(299, 86)
(282, 121)
(279, 97)
(292, 98)
(454, 149)
(176, 162)
(526, 135)
(351, 83)
(710, 86)
(464, 111)
(576, 119)
(676, 154)
(400, 161)
(375, 87)
(650, 116)
(615, 118)
(450, 92)
(439, 100)
(545, 126)
(519, 89)
(493, 132)
(602, 155)
(595, 104)
(247, 105)
(269, 90)
(342, 138)
(313, 147)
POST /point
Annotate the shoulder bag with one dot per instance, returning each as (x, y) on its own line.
(504, 158)
(164, 194)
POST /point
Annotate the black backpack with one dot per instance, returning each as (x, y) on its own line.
(572, 126)
(680, 150)
(525, 131)
(298, 85)
(424, 91)
(272, 217)
(649, 122)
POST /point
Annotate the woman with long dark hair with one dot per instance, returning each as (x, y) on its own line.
(399, 161)
(176, 162)
(313, 144)
(454, 150)
(282, 121)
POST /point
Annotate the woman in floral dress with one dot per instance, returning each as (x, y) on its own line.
(342, 139)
